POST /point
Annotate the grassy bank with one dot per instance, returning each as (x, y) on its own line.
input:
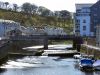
(36, 20)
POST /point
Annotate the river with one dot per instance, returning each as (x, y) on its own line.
(43, 65)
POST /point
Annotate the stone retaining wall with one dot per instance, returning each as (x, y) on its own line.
(90, 51)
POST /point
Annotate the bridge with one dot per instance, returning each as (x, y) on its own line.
(77, 41)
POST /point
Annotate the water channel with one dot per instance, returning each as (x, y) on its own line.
(43, 65)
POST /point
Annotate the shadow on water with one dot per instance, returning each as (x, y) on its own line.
(88, 73)
(14, 57)
(2, 70)
(76, 66)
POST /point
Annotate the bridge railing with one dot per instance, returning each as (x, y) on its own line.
(52, 37)
(26, 37)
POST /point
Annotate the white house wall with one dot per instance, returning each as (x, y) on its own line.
(2, 30)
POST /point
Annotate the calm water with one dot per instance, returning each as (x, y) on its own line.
(43, 65)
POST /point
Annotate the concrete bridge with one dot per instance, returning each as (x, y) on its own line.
(77, 41)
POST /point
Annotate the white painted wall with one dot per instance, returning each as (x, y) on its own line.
(6, 26)
(54, 31)
(2, 29)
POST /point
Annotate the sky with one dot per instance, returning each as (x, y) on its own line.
(54, 5)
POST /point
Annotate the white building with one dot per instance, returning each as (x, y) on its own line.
(32, 30)
(36, 30)
(54, 31)
(7, 26)
(82, 20)
(23, 30)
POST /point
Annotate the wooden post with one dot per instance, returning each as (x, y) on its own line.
(74, 44)
(78, 47)
(45, 43)
(79, 41)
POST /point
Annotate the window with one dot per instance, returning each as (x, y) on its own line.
(84, 27)
(95, 14)
(95, 8)
(84, 34)
(84, 21)
(95, 20)
(78, 21)
(77, 27)
(78, 10)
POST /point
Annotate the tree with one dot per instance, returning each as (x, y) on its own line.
(43, 11)
(26, 7)
(65, 14)
(40, 10)
(15, 7)
(6, 3)
(33, 8)
(46, 12)
(57, 14)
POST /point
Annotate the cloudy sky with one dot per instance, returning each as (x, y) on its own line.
(53, 4)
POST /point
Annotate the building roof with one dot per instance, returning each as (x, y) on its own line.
(79, 6)
(96, 4)
(8, 21)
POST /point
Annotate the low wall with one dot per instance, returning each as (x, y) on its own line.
(91, 51)
(4, 53)
(16, 46)
(90, 41)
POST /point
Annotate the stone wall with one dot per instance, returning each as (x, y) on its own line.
(16, 46)
(90, 41)
(90, 51)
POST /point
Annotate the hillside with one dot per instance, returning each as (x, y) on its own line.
(36, 20)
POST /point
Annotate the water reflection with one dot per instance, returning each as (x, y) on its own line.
(97, 72)
(43, 65)
(89, 73)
